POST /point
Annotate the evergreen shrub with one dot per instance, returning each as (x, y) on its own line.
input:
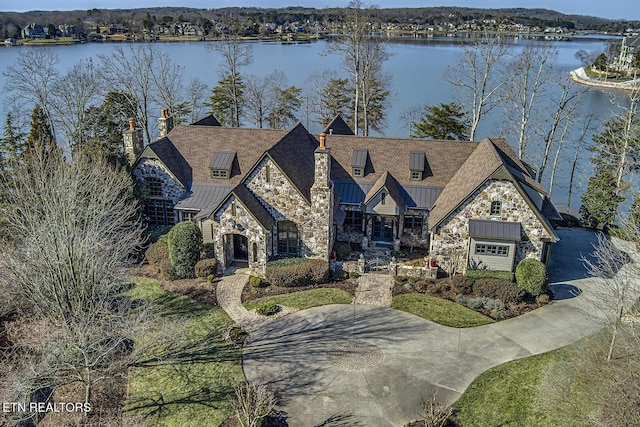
(185, 247)
(290, 272)
(206, 267)
(531, 275)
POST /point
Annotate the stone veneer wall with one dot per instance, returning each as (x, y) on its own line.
(453, 236)
(319, 233)
(243, 223)
(283, 201)
(171, 188)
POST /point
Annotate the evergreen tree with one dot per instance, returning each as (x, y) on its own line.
(634, 213)
(444, 121)
(226, 100)
(11, 145)
(599, 202)
(334, 97)
(40, 138)
(106, 123)
(287, 102)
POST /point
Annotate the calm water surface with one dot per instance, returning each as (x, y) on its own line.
(416, 69)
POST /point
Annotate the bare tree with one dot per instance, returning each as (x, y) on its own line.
(74, 226)
(236, 55)
(523, 93)
(617, 279)
(73, 93)
(254, 403)
(256, 99)
(168, 90)
(363, 56)
(195, 99)
(479, 76)
(32, 78)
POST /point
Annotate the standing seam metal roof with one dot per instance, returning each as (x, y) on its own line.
(500, 230)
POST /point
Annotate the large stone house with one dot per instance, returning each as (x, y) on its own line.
(258, 194)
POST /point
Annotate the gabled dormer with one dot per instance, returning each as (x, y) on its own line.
(359, 162)
(221, 165)
(416, 165)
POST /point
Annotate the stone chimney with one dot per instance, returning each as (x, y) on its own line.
(132, 141)
(322, 202)
(165, 123)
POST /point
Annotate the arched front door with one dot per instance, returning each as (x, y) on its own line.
(240, 248)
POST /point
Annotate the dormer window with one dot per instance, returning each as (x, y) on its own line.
(359, 162)
(496, 208)
(221, 164)
(416, 165)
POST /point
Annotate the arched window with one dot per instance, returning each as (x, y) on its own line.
(287, 238)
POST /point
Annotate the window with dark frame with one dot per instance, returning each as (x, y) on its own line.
(496, 208)
(412, 224)
(416, 176)
(154, 186)
(353, 219)
(159, 212)
(494, 250)
(358, 172)
(188, 215)
(219, 173)
(287, 238)
(383, 198)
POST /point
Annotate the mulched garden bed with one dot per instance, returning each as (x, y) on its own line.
(445, 288)
(250, 292)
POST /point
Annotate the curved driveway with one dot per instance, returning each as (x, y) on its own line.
(355, 365)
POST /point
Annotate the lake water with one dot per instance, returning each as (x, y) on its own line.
(416, 69)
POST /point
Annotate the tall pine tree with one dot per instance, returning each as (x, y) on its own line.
(444, 121)
(41, 139)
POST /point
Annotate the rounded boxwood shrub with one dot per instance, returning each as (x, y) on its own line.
(185, 246)
(206, 267)
(531, 275)
(267, 308)
(158, 256)
(342, 249)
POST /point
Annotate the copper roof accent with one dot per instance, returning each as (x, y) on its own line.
(480, 165)
(388, 182)
(338, 126)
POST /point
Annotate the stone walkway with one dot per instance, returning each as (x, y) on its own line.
(229, 293)
(374, 289)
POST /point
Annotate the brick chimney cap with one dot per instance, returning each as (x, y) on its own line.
(323, 141)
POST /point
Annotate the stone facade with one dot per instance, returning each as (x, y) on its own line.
(234, 219)
(452, 237)
(319, 232)
(133, 143)
(172, 189)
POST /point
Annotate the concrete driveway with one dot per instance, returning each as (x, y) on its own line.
(355, 365)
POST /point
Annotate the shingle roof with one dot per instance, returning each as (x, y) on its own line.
(444, 158)
(294, 156)
(207, 121)
(167, 153)
(254, 206)
(198, 143)
(338, 127)
(514, 165)
(388, 182)
(481, 164)
(501, 230)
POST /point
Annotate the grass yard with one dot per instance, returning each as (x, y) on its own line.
(440, 311)
(507, 395)
(305, 299)
(189, 380)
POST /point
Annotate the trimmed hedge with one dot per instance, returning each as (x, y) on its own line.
(479, 273)
(342, 249)
(185, 247)
(206, 267)
(531, 275)
(291, 272)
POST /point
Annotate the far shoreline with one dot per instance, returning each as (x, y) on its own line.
(580, 76)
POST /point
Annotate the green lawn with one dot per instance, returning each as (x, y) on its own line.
(438, 310)
(305, 299)
(507, 395)
(187, 382)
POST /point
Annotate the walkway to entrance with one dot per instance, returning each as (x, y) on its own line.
(370, 366)
(374, 289)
